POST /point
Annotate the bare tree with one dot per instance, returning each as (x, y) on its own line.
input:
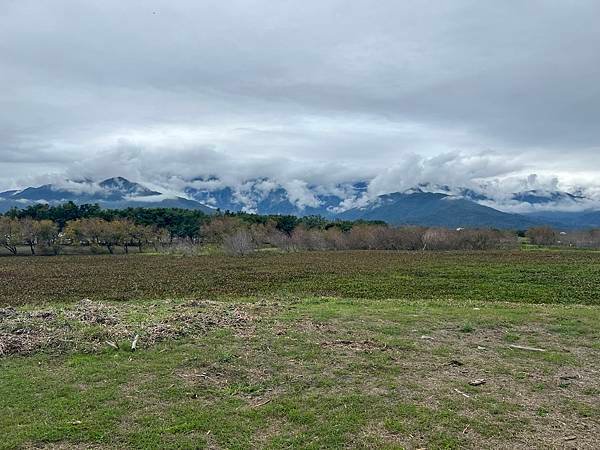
(361, 237)
(218, 227)
(304, 239)
(10, 234)
(265, 233)
(280, 240)
(409, 238)
(335, 238)
(581, 239)
(542, 236)
(238, 243)
(438, 239)
(29, 233)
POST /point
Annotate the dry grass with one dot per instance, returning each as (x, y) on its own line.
(89, 326)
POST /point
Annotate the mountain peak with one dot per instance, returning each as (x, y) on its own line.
(116, 182)
(116, 193)
(126, 187)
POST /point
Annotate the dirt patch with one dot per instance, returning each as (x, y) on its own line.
(210, 376)
(64, 446)
(358, 346)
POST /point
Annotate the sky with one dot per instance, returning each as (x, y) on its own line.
(313, 92)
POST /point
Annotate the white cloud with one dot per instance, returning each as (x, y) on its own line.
(300, 195)
(149, 198)
(458, 93)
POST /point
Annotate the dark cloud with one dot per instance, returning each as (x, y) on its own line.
(321, 91)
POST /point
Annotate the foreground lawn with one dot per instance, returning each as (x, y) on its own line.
(285, 368)
(312, 373)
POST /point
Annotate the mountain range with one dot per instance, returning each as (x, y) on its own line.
(423, 205)
(115, 193)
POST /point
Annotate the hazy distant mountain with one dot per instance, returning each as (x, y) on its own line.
(112, 189)
(426, 204)
(114, 193)
(276, 201)
(565, 219)
(435, 209)
(530, 197)
(255, 197)
(535, 197)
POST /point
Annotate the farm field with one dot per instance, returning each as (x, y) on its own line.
(303, 350)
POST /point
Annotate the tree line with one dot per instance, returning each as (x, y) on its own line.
(45, 235)
(237, 236)
(549, 237)
(50, 229)
(179, 223)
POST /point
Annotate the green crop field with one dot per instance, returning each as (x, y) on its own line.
(302, 350)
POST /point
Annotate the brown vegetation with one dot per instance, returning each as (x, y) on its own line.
(542, 236)
(235, 236)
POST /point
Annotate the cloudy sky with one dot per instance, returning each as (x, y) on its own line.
(320, 91)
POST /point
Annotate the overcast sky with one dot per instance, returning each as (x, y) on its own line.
(322, 91)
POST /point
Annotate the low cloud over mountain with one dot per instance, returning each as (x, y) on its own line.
(425, 204)
(115, 192)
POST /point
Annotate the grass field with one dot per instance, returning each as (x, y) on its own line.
(568, 277)
(311, 350)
